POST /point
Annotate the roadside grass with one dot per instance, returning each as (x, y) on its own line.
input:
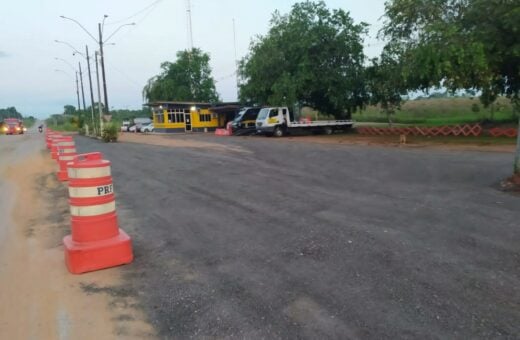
(443, 111)
(435, 112)
(29, 122)
(66, 127)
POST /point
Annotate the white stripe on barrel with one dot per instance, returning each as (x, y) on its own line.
(84, 173)
(97, 191)
(93, 210)
(65, 143)
(66, 158)
(67, 150)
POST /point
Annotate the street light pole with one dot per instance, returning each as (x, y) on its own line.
(91, 91)
(99, 93)
(102, 60)
(101, 54)
(76, 73)
(82, 90)
(77, 90)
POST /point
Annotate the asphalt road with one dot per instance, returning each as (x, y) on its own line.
(295, 240)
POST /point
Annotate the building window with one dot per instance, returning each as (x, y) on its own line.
(176, 116)
(205, 117)
(159, 117)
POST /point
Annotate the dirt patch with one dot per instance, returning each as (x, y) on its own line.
(445, 143)
(163, 140)
(39, 298)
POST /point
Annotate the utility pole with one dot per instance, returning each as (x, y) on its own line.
(100, 42)
(102, 60)
(99, 94)
(82, 90)
(77, 91)
(91, 92)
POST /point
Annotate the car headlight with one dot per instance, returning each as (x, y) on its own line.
(25, 129)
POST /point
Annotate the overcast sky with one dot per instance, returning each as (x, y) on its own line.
(28, 77)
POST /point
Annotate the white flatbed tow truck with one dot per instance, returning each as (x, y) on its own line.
(279, 121)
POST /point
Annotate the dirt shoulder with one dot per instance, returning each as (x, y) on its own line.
(40, 298)
(484, 144)
(167, 140)
(446, 143)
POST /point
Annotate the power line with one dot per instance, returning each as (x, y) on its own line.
(135, 14)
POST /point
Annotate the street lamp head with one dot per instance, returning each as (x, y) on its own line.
(62, 16)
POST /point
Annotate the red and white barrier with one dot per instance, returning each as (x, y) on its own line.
(96, 241)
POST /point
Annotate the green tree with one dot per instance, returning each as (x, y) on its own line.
(10, 112)
(187, 79)
(459, 44)
(385, 82)
(312, 56)
(69, 110)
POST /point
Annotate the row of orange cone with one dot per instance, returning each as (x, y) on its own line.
(96, 242)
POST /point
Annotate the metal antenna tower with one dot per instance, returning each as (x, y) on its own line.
(190, 30)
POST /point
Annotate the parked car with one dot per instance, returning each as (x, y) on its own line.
(125, 125)
(132, 128)
(147, 128)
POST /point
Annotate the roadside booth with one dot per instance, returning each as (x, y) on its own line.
(172, 117)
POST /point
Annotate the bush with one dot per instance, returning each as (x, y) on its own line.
(110, 133)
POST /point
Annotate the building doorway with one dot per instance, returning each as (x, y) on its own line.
(188, 122)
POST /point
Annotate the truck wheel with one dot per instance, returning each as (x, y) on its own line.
(278, 132)
(328, 130)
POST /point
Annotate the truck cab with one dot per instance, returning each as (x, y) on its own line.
(13, 126)
(274, 120)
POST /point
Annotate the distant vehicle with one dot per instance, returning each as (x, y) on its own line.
(245, 120)
(13, 126)
(279, 121)
(125, 125)
(147, 128)
(132, 128)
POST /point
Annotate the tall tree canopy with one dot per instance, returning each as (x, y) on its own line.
(10, 112)
(187, 79)
(312, 56)
(69, 110)
(458, 44)
(385, 82)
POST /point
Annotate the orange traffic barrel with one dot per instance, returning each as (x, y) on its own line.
(66, 153)
(50, 138)
(96, 242)
(64, 141)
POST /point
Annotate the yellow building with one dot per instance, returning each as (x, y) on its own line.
(188, 116)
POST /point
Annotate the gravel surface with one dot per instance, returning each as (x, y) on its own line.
(266, 238)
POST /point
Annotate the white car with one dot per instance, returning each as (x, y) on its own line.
(125, 126)
(147, 128)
